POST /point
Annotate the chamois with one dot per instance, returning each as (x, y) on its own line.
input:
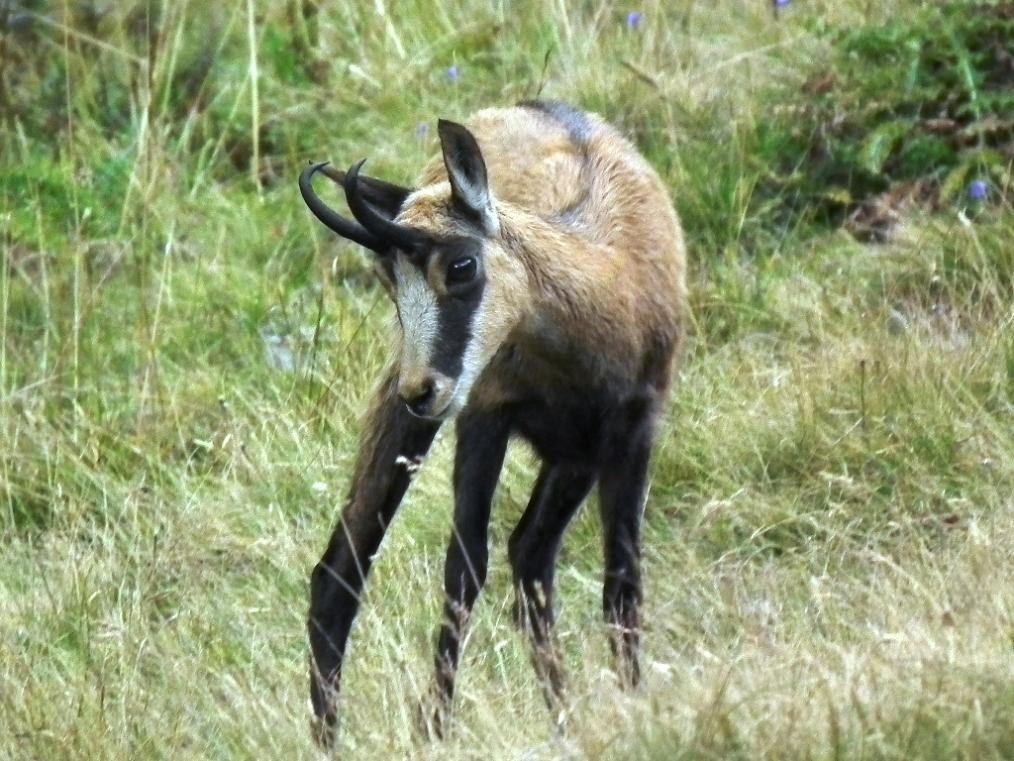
(538, 278)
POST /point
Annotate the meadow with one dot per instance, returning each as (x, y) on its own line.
(186, 356)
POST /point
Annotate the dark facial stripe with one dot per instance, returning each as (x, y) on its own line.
(454, 329)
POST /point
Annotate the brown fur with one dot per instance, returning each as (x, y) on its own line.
(590, 264)
(582, 317)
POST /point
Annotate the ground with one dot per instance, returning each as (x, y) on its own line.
(186, 356)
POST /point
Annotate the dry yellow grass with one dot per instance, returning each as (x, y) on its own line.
(185, 357)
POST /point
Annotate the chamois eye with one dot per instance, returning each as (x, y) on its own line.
(461, 270)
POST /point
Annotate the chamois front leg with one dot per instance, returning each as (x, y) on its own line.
(533, 547)
(623, 484)
(482, 443)
(393, 442)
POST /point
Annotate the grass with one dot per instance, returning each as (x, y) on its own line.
(185, 357)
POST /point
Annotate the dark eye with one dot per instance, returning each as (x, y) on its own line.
(461, 270)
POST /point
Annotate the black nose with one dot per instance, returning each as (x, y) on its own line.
(420, 400)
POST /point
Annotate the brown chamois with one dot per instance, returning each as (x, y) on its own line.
(538, 279)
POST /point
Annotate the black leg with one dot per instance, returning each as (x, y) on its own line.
(533, 547)
(392, 445)
(622, 490)
(482, 443)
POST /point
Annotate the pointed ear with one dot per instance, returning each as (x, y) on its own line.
(466, 172)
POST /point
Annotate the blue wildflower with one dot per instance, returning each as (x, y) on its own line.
(978, 190)
(422, 130)
(452, 73)
(634, 19)
(781, 3)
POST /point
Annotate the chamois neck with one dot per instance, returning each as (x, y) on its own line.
(580, 303)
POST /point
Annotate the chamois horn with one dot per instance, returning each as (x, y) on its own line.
(376, 224)
(332, 219)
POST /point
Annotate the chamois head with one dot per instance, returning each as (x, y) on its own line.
(436, 249)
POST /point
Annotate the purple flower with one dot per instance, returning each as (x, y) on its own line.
(978, 190)
(422, 130)
(634, 19)
(452, 73)
(781, 3)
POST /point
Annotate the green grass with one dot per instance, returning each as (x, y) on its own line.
(185, 357)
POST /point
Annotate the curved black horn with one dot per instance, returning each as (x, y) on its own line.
(402, 236)
(387, 197)
(332, 219)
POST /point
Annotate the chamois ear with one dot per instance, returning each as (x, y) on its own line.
(466, 172)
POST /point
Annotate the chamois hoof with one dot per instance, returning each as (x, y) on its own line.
(324, 730)
(431, 717)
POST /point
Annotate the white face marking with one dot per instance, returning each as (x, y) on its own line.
(420, 324)
(417, 307)
(482, 345)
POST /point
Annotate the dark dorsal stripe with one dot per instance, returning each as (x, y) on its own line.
(579, 130)
(576, 122)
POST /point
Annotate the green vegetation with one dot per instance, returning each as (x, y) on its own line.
(185, 356)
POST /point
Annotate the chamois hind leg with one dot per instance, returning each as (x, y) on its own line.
(391, 445)
(623, 485)
(482, 443)
(532, 549)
